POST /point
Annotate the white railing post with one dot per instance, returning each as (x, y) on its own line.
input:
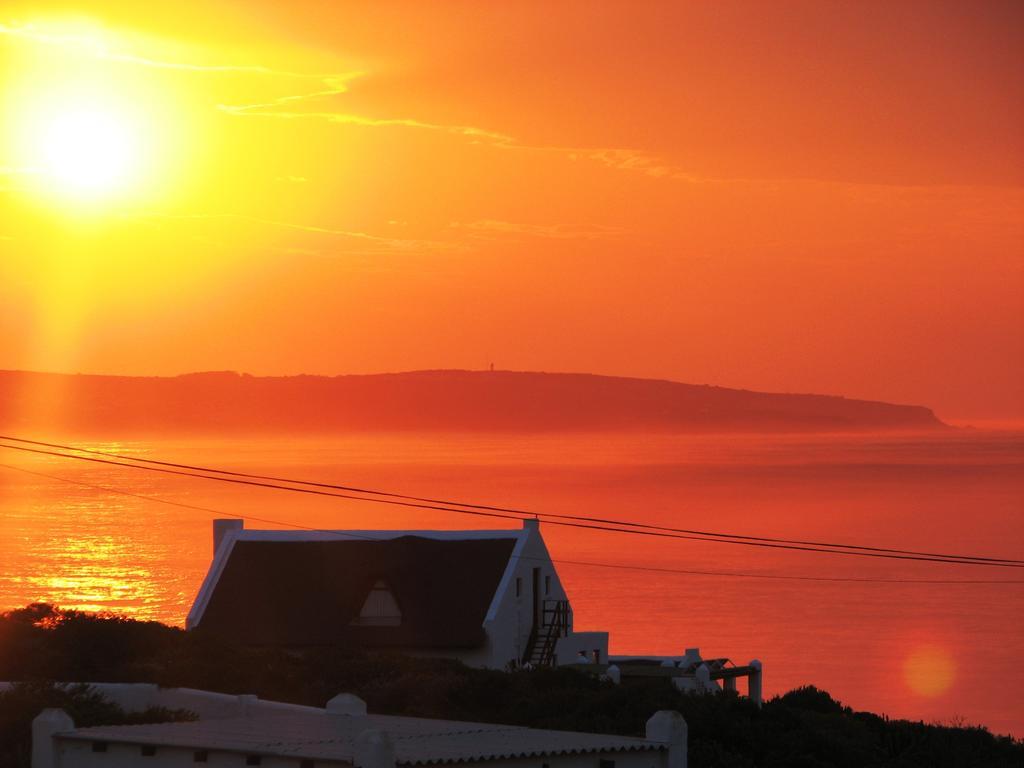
(703, 675)
(755, 682)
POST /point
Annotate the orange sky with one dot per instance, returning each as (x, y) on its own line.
(820, 196)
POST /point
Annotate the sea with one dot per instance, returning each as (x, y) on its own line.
(941, 643)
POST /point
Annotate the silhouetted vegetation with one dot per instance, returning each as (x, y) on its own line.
(804, 728)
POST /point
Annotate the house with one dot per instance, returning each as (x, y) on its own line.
(490, 598)
(277, 735)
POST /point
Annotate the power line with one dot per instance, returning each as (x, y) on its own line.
(587, 563)
(240, 481)
(588, 526)
(864, 580)
(513, 511)
(434, 507)
(144, 497)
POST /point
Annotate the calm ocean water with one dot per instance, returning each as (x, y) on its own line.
(937, 652)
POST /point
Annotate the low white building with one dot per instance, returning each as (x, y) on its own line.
(277, 735)
(490, 598)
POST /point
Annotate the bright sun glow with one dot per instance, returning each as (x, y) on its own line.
(88, 151)
(84, 122)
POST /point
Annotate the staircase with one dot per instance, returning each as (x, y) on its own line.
(556, 618)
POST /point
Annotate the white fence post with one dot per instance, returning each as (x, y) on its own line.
(346, 704)
(374, 749)
(669, 727)
(44, 746)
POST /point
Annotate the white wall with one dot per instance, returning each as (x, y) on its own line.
(511, 618)
(76, 754)
(79, 754)
(646, 759)
(568, 649)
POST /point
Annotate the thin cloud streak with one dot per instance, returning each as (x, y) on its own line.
(346, 118)
(617, 158)
(335, 85)
(386, 244)
(491, 229)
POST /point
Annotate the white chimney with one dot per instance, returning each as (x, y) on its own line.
(221, 528)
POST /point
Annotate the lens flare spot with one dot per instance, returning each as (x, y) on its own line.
(929, 670)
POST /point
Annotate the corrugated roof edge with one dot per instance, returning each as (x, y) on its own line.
(316, 750)
(143, 734)
(644, 747)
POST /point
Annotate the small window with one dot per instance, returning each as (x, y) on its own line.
(253, 760)
(99, 746)
(148, 750)
(547, 585)
(380, 609)
(519, 587)
(202, 756)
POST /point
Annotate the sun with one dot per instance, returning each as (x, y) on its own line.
(78, 142)
(87, 150)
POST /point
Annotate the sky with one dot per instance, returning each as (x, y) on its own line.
(794, 196)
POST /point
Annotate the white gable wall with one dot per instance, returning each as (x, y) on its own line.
(510, 617)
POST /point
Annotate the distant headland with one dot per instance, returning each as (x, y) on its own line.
(434, 401)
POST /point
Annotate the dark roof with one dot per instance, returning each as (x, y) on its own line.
(306, 593)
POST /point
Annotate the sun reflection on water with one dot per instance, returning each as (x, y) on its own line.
(93, 549)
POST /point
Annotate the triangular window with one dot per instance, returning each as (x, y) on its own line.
(380, 608)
